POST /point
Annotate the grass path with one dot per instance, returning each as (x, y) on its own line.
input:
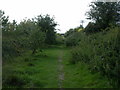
(60, 70)
(51, 69)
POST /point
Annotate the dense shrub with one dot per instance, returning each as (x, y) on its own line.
(72, 36)
(11, 45)
(101, 52)
(73, 39)
(59, 39)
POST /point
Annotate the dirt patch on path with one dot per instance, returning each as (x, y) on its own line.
(60, 70)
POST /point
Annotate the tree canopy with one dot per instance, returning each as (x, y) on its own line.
(47, 25)
(103, 14)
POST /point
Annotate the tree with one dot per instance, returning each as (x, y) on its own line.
(37, 39)
(31, 35)
(1, 14)
(13, 25)
(118, 14)
(24, 30)
(90, 28)
(4, 21)
(69, 32)
(103, 14)
(47, 25)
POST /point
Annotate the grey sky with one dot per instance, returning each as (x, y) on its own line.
(68, 13)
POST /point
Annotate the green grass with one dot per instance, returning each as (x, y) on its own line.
(79, 76)
(41, 70)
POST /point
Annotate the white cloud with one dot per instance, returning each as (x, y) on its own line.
(68, 13)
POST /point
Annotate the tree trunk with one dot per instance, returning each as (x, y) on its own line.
(34, 51)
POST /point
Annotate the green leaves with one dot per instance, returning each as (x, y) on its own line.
(27, 35)
(37, 39)
(101, 52)
(103, 13)
(47, 25)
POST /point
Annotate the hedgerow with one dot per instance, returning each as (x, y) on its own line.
(101, 52)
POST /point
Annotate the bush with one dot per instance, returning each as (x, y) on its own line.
(101, 52)
(14, 81)
(11, 45)
(73, 39)
(59, 39)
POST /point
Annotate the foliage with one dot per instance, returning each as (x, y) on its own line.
(69, 32)
(27, 35)
(72, 36)
(59, 38)
(10, 44)
(101, 52)
(37, 40)
(47, 25)
(15, 39)
(4, 20)
(91, 28)
(103, 14)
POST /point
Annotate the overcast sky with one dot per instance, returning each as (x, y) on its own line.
(68, 13)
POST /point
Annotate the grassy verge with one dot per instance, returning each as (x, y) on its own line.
(35, 71)
(79, 76)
